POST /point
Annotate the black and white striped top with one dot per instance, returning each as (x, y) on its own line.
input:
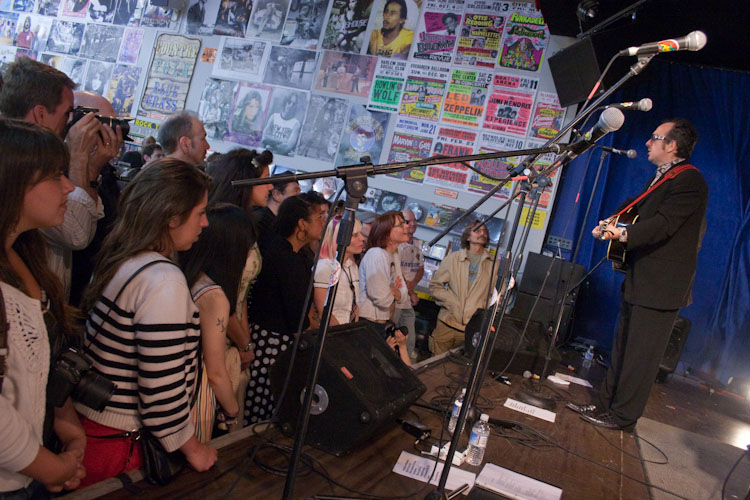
(147, 344)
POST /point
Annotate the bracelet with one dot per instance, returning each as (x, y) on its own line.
(248, 347)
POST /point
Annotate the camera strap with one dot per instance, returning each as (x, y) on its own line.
(4, 327)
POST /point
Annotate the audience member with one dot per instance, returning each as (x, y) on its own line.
(213, 269)
(328, 272)
(143, 328)
(460, 287)
(34, 189)
(183, 137)
(265, 217)
(279, 295)
(151, 153)
(412, 269)
(40, 94)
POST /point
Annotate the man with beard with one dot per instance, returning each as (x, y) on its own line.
(392, 40)
(282, 128)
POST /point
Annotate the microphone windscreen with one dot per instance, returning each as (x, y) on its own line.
(696, 40)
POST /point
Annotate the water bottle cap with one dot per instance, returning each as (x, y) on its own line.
(484, 417)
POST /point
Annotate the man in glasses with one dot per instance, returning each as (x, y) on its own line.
(661, 253)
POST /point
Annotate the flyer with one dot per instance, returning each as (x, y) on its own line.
(451, 142)
(525, 38)
(466, 96)
(438, 31)
(388, 83)
(412, 140)
(548, 117)
(479, 43)
(509, 106)
(347, 23)
(249, 110)
(424, 91)
(495, 167)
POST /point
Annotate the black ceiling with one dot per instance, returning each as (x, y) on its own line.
(726, 24)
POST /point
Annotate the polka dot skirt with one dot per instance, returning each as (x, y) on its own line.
(268, 347)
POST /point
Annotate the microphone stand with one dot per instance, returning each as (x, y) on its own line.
(478, 361)
(355, 178)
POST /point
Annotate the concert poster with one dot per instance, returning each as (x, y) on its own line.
(283, 122)
(440, 216)
(47, 7)
(350, 74)
(215, 106)
(65, 37)
(509, 109)
(98, 75)
(239, 58)
(347, 24)
(8, 21)
(131, 46)
(304, 22)
(169, 74)
(438, 31)
(128, 12)
(412, 140)
(31, 34)
(122, 86)
(387, 85)
(156, 16)
(424, 91)
(548, 116)
(524, 40)
(75, 8)
(466, 97)
(290, 67)
(321, 132)
(200, 18)
(249, 111)
(451, 142)
(495, 167)
(267, 19)
(363, 136)
(400, 47)
(101, 42)
(232, 17)
(479, 41)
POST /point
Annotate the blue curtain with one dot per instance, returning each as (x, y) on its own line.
(717, 102)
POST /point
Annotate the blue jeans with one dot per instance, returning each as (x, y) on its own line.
(407, 318)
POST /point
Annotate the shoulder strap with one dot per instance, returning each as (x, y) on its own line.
(671, 174)
(136, 273)
(4, 327)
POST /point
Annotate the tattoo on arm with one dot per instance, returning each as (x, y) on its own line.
(221, 325)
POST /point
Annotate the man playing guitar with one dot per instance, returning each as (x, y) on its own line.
(662, 249)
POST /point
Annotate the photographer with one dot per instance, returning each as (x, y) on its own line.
(34, 191)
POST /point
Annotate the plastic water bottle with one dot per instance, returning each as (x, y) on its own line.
(457, 404)
(480, 433)
(588, 357)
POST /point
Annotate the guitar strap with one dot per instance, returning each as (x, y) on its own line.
(669, 175)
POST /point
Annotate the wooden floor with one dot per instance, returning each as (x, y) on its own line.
(586, 462)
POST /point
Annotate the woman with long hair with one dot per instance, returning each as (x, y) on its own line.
(213, 269)
(381, 285)
(328, 271)
(279, 294)
(236, 165)
(143, 328)
(34, 191)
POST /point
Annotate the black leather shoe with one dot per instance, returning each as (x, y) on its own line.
(606, 420)
(580, 408)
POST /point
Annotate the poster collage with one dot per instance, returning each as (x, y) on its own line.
(321, 79)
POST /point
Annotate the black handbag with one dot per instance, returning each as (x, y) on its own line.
(160, 467)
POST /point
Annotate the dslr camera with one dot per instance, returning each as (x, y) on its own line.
(73, 375)
(111, 121)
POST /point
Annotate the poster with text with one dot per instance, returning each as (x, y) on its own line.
(157, 16)
(495, 168)
(169, 74)
(283, 122)
(363, 136)
(31, 34)
(548, 117)
(438, 31)
(509, 111)
(347, 23)
(524, 40)
(239, 58)
(466, 97)
(291, 67)
(321, 133)
(451, 142)
(479, 42)
(304, 24)
(122, 85)
(75, 8)
(249, 111)
(343, 73)
(424, 91)
(215, 107)
(267, 19)
(65, 37)
(232, 17)
(387, 85)
(131, 46)
(412, 140)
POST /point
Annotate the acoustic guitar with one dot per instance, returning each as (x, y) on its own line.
(616, 250)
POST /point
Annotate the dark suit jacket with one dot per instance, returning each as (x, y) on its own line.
(662, 247)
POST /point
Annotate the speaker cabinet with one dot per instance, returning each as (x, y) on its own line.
(673, 352)
(511, 350)
(362, 387)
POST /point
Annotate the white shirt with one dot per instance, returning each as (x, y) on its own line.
(328, 272)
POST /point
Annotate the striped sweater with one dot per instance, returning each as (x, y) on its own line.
(147, 344)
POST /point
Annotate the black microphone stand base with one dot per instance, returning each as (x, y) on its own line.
(534, 397)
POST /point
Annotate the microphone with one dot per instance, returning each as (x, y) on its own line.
(630, 153)
(644, 104)
(610, 120)
(695, 40)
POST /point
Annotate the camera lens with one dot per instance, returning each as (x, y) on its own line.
(94, 390)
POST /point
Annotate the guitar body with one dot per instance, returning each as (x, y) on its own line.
(616, 250)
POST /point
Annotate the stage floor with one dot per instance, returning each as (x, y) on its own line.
(584, 461)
